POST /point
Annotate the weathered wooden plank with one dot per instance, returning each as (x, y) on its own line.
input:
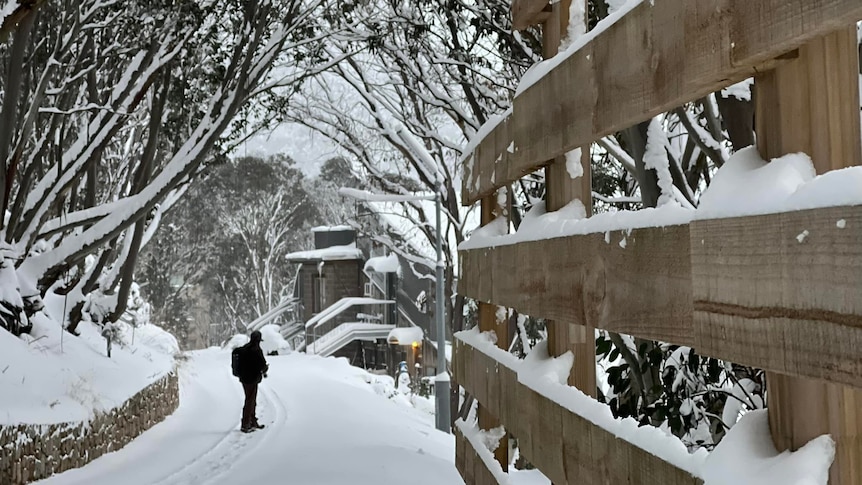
(548, 438)
(460, 451)
(578, 451)
(564, 446)
(561, 189)
(782, 292)
(470, 459)
(740, 289)
(488, 321)
(675, 51)
(509, 406)
(811, 104)
(641, 289)
(469, 464)
(489, 164)
(527, 13)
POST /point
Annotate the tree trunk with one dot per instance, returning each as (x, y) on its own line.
(142, 177)
(9, 114)
(738, 119)
(636, 139)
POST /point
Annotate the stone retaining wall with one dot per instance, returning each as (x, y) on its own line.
(31, 452)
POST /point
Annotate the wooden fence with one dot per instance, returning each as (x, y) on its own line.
(741, 289)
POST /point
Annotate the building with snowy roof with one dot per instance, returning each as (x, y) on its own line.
(357, 307)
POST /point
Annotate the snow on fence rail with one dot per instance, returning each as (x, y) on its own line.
(574, 439)
(529, 398)
(660, 55)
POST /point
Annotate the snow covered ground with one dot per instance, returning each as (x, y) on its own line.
(327, 423)
(50, 376)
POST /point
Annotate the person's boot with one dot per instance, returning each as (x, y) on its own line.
(256, 425)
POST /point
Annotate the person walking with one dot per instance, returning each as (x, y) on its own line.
(250, 366)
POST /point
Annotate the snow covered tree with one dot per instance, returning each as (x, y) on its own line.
(275, 219)
(404, 106)
(228, 237)
(110, 110)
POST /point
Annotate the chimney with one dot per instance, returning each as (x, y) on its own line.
(327, 237)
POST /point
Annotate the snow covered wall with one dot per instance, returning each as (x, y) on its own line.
(30, 452)
(64, 402)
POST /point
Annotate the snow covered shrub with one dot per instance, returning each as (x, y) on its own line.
(137, 311)
(425, 387)
(237, 340)
(273, 343)
(695, 398)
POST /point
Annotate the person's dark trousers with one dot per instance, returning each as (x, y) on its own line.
(248, 410)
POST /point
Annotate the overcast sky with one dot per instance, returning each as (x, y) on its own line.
(309, 149)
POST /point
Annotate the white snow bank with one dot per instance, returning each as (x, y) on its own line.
(51, 376)
(383, 264)
(405, 335)
(326, 423)
(747, 185)
(744, 186)
(755, 462)
(382, 385)
(747, 456)
(334, 253)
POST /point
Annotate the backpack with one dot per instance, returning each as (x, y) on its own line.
(235, 358)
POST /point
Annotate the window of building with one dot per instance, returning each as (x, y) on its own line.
(318, 293)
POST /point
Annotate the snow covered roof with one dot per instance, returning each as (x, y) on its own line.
(334, 253)
(333, 310)
(383, 264)
(331, 228)
(405, 335)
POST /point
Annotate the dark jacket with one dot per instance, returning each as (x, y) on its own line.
(252, 364)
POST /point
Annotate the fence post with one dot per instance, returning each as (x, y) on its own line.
(491, 209)
(561, 189)
(811, 104)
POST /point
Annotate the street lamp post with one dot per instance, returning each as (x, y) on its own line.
(441, 381)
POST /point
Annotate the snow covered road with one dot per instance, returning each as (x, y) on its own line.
(325, 425)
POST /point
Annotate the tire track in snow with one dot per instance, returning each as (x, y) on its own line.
(212, 466)
(260, 439)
